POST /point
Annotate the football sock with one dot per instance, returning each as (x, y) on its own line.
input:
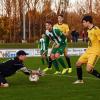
(68, 61)
(61, 61)
(42, 61)
(47, 60)
(79, 73)
(95, 73)
(50, 62)
(55, 63)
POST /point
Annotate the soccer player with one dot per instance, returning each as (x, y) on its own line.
(60, 41)
(11, 66)
(64, 28)
(43, 50)
(92, 53)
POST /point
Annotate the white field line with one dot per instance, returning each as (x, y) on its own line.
(73, 76)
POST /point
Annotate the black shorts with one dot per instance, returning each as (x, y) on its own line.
(2, 79)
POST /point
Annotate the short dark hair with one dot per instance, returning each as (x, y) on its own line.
(21, 52)
(88, 18)
(49, 22)
(61, 15)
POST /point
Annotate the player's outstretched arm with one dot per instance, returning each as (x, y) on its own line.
(26, 71)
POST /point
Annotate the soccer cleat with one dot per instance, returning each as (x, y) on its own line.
(78, 82)
(69, 70)
(46, 69)
(64, 70)
(57, 72)
(4, 85)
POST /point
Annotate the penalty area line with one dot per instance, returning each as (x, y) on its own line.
(72, 76)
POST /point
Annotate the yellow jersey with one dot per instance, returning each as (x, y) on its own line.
(64, 28)
(94, 40)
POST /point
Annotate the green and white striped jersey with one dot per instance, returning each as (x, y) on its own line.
(42, 44)
(55, 35)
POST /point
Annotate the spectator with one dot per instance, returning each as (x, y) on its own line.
(76, 36)
(84, 36)
(73, 35)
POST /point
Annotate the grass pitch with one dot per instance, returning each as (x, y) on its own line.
(51, 87)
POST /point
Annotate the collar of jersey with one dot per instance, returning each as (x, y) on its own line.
(60, 24)
(92, 27)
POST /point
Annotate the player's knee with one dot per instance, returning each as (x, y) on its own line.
(57, 55)
(43, 56)
(89, 68)
(78, 64)
(52, 56)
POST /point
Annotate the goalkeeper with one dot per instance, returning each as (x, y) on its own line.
(11, 66)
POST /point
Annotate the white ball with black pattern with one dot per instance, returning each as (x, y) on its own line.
(33, 78)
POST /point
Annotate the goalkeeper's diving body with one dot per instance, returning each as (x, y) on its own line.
(60, 41)
(11, 66)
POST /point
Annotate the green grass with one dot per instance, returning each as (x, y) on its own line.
(51, 87)
(35, 45)
(16, 45)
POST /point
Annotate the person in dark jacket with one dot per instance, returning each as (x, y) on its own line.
(11, 66)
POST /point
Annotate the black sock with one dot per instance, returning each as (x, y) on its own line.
(68, 61)
(95, 73)
(50, 63)
(79, 73)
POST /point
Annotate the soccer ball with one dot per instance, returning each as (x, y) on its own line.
(33, 78)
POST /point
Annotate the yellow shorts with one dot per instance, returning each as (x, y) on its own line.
(89, 58)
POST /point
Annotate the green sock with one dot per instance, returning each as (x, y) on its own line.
(42, 61)
(61, 61)
(47, 60)
(55, 63)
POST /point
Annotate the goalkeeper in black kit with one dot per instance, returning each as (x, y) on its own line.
(11, 66)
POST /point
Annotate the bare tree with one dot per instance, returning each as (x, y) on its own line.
(90, 6)
(8, 14)
(97, 7)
